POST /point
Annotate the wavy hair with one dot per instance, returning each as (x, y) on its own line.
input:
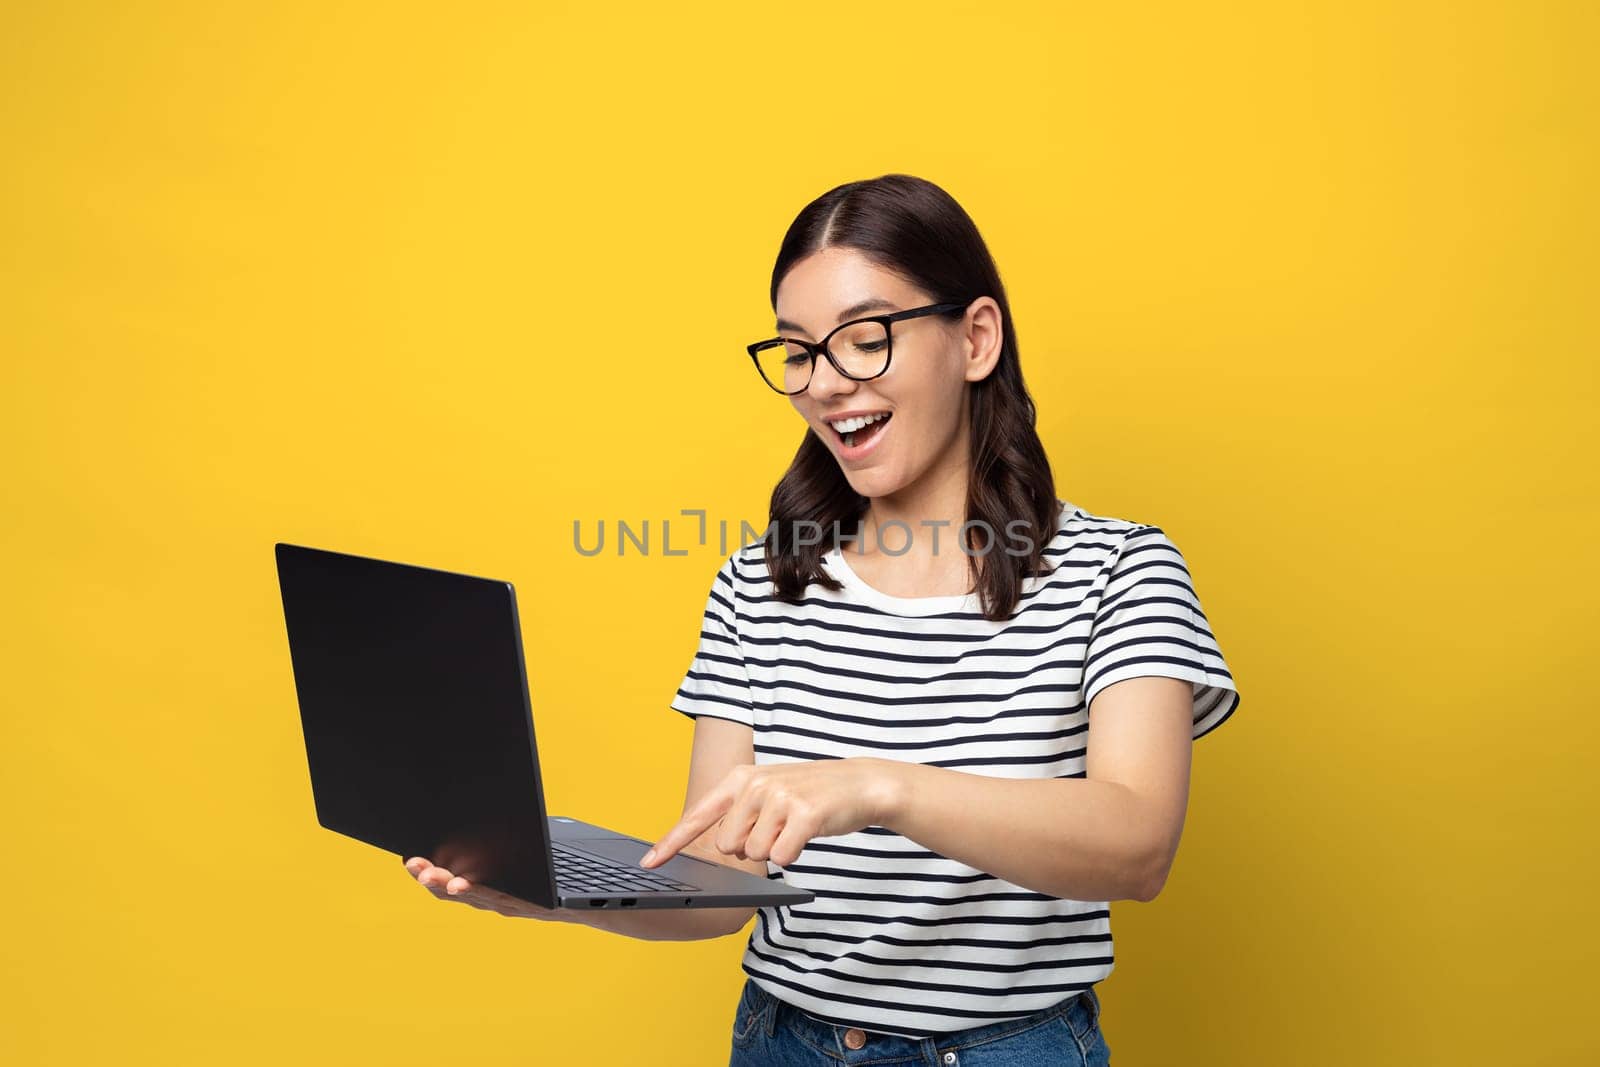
(914, 228)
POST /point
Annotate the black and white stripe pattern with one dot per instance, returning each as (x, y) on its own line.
(901, 940)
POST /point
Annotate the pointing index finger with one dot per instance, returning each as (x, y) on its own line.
(691, 826)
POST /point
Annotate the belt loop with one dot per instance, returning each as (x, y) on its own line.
(771, 1008)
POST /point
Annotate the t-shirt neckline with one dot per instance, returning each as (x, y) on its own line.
(899, 605)
(840, 568)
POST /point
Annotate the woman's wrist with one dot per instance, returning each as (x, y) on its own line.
(893, 790)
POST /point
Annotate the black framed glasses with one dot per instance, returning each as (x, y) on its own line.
(861, 351)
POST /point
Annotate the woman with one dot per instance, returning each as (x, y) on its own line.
(893, 690)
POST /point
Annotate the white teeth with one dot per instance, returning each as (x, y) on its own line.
(852, 425)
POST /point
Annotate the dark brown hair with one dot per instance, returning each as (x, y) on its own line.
(917, 230)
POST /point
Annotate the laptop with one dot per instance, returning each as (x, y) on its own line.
(419, 735)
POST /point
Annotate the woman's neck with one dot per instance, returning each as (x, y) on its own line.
(925, 524)
(920, 524)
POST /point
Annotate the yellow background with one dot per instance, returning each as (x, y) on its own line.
(1311, 286)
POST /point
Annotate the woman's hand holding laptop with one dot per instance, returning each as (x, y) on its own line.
(652, 925)
(446, 886)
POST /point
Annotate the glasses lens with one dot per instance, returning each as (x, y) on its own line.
(861, 348)
(785, 366)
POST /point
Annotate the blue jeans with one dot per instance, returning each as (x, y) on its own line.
(768, 1032)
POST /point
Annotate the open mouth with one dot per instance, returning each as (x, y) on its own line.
(860, 435)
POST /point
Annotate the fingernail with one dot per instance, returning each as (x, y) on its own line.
(648, 856)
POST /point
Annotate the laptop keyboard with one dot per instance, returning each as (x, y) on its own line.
(580, 872)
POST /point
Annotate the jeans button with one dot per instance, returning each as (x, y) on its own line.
(949, 1057)
(854, 1038)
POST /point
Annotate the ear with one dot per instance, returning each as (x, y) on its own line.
(982, 338)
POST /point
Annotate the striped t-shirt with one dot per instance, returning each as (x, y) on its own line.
(899, 939)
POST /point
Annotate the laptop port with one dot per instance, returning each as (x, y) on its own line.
(597, 903)
(629, 902)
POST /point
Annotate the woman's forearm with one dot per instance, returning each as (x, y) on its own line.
(661, 924)
(1076, 838)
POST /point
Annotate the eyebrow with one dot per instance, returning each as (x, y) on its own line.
(872, 303)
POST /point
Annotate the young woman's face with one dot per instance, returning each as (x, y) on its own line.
(922, 393)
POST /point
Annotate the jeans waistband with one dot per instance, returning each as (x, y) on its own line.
(1081, 1011)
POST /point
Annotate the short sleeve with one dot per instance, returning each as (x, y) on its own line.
(717, 683)
(1149, 622)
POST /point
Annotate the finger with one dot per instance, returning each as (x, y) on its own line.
(435, 877)
(448, 886)
(768, 824)
(691, 826)
(746, 811)
(797, 831)
(416, 865)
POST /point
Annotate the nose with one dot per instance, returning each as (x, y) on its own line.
(827, 382)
